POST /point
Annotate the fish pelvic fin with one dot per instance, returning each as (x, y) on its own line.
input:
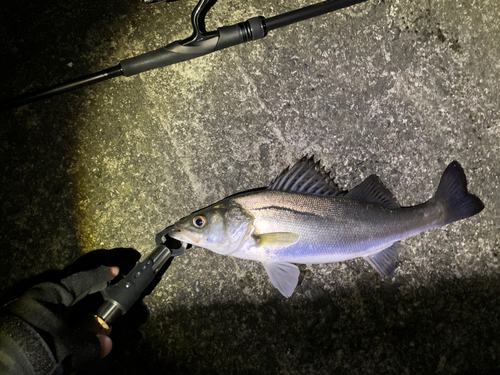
(284, 276)
(372, 190)
(384, 262)
(452, 191)
(276, 239)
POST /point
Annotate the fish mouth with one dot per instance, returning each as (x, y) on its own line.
(184, 236)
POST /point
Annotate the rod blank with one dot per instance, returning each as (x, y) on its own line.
(305, 13)
(90, 79)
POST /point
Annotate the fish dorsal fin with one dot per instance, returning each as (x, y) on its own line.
(384, 262)
(372, 190)
(307, 177)
(284, 276)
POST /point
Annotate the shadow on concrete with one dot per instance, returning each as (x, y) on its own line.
(450, 327)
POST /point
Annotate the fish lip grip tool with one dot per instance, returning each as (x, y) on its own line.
(162, 238)
(120, 297)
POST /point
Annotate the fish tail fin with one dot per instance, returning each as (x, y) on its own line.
(452, 190)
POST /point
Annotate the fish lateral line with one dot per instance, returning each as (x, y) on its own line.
(286, 209)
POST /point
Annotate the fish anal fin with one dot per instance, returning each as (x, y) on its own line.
(284, 276)
(384, 262)
(276, 239)
(372, 190)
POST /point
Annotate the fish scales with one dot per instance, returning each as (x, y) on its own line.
(330, 229)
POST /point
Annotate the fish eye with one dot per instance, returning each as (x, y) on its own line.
(199, 221)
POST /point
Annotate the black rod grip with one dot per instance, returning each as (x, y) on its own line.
(176, 52)
(171, 54)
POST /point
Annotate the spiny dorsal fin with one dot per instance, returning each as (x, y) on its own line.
(307, 177)
(372, 190)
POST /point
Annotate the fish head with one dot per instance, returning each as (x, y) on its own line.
(221, 228)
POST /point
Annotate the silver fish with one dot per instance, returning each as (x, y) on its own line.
(302, 217)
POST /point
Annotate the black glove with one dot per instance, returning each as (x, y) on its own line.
(39, 324)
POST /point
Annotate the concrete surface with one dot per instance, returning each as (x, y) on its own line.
(398, 88)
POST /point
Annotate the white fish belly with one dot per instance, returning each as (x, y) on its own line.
(312, 250)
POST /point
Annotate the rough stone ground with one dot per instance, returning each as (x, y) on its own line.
(398, 88)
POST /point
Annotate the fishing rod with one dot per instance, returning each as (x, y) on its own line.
(200, 43)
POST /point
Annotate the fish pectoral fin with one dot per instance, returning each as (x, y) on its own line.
(276, 239)
(284, 276)
(384, 261)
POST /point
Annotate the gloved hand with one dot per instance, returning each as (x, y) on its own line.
(41, 323)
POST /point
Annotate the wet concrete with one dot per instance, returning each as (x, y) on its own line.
(395, 88)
